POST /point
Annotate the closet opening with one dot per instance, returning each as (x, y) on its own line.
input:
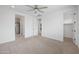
(69, 26)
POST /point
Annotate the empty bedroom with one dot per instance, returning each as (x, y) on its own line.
(39, 29)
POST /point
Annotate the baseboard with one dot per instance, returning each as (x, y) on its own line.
(6, 41)
(52, 38)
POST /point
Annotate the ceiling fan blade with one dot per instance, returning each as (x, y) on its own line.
(43, 7)
(40, 10)
(29, 6)
(30, 10)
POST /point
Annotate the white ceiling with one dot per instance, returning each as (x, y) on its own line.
(51, 8)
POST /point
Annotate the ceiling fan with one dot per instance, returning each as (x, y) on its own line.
(36, 8)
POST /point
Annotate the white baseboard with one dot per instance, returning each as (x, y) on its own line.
(52, 38)
(6, 41)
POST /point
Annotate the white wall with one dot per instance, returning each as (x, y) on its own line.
(31, 28)
(28, 26)
(7, 22)
(68, 30)
(53, 25)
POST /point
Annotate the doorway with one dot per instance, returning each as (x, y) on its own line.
(39, 27)
(19, 26)
(68, 26)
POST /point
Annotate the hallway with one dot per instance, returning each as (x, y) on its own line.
(38, 45)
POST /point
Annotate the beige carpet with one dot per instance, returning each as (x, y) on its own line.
(38, 45)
